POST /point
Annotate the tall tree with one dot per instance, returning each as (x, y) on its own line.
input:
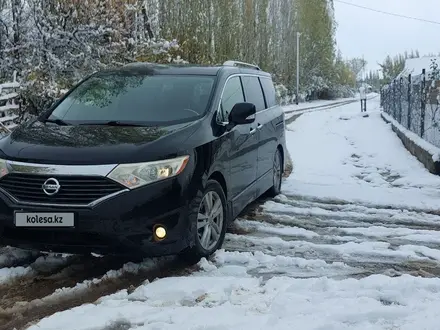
(357, 65)
(316, 24)
(60, 41)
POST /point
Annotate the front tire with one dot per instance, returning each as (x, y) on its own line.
(208, 221)
(275, 190)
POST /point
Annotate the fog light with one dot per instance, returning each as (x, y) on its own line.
(160, 232)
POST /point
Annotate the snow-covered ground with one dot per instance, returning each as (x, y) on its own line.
(353, 242)
(342, 156)
(320, 105)
(316, 103)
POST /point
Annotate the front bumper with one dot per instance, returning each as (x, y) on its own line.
(120, 225)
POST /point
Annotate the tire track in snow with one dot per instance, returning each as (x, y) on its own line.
(73, 287)
(379, 240)
(50, 276)
(11, 257)
(304, 199)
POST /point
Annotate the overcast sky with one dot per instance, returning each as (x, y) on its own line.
(375, 35)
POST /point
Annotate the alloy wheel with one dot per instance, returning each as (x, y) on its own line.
(210, 220)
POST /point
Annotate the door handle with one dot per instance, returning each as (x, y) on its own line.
(260, 126)
(252, 131)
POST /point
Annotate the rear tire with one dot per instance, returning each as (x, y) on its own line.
(277, 175)
(208, 221)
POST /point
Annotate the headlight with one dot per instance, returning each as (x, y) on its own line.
(3, 168)
(137, 175)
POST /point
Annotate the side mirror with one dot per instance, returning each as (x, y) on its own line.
(241, 112)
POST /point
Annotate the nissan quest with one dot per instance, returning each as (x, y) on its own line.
(145, 159)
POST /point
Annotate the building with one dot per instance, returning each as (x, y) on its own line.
(414, 66)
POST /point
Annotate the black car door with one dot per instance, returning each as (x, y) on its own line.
(266, 140)
(270, 121)
(243, 149)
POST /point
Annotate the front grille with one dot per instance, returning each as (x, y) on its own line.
(75, 189)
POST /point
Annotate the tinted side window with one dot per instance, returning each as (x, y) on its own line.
(232, 95)
(253, 92)
(269, 92)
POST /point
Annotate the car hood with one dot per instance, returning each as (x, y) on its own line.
(87, 145)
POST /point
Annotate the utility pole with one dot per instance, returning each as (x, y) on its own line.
(364, 76)
(297, 66)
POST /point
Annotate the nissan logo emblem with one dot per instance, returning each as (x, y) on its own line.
(51, 187)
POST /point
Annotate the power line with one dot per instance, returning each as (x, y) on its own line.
(388, 13)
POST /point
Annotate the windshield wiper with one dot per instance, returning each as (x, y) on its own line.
(113, 123)
(57, 121)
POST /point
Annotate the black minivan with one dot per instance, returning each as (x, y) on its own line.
(145, 159)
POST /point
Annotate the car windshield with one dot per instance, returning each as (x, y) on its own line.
(134, 98)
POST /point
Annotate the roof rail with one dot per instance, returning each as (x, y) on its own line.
(237, 63)
(142, 64)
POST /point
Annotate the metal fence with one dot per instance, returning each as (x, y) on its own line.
(414, 102)
(9, 105)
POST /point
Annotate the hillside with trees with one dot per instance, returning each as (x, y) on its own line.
(52, 44)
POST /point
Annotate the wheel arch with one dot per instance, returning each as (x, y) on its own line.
(283, 157)
(218, 176)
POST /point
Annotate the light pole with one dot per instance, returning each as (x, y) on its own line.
(297, 66)
(363, 68)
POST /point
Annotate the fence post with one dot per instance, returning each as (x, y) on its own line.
(394, 100)
(409, 103)
(400, 99)
(423, 104)
(386, 101)
(381, 97)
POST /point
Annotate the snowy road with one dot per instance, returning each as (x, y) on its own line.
(352, 243)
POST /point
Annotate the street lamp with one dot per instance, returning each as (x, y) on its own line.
(297, 66)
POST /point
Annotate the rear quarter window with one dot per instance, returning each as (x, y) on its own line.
(253, 92)
(269, 92)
